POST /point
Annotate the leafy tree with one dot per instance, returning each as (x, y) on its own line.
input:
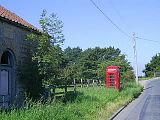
(52, 26)
(126, 72)
(92, 62)
(29, 77)
(72, 54)
(47, 59)
(153, 66)
(48, 53)
(91, 58)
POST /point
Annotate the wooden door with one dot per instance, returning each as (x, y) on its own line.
(4, 87)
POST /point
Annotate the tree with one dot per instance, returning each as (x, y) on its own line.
(91, 58)
(52, 26)
(48, 52)
(126, 71)
(153, 66)
(29, 77)
(92, 62)
(47, 57)
(72, 54)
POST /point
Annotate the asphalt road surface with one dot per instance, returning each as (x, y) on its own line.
(146, 106)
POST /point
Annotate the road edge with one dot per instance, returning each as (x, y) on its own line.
(119, 110)
(123, 107)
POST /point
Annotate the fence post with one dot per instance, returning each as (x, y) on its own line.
(81, 83)
(93, 83)
(65, 88)
(87, 83)
(100, 82)
(54, 91)
(97, 82)
(74, 82)
(49, 93)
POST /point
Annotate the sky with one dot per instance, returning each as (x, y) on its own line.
(86, 27)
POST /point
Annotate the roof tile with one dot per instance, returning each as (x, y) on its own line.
(15, 18)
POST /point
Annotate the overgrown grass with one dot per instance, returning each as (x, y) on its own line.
(96, 103)
(146, 78)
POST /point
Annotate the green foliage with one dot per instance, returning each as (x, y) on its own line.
(91, 63)
(29, 78)
(96, 103)
(52, 26)
(46, 60)
(126, 73)
(72, 54)
(54, 66)
(71, 71)
(153, 66)
(48, 53)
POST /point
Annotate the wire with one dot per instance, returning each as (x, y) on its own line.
(148, 40)
(118, 13)
(106, 16)
(117, 27)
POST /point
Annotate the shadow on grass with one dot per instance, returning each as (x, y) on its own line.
(69, 97)
(72, 96)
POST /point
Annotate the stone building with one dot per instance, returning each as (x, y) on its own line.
(13, 46)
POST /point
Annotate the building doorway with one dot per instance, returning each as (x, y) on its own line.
(7, 78)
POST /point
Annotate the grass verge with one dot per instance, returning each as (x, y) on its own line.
(146, 78)
(93, 103)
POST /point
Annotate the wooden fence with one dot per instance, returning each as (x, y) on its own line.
(82, 83)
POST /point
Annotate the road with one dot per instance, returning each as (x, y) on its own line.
(146, 106)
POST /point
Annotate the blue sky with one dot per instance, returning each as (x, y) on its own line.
(86, 27)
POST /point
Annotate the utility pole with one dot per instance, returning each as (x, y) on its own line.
(135, 58)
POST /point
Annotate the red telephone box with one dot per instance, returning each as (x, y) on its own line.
(113, 77)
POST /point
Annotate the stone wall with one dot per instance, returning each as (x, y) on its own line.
(13, 38)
